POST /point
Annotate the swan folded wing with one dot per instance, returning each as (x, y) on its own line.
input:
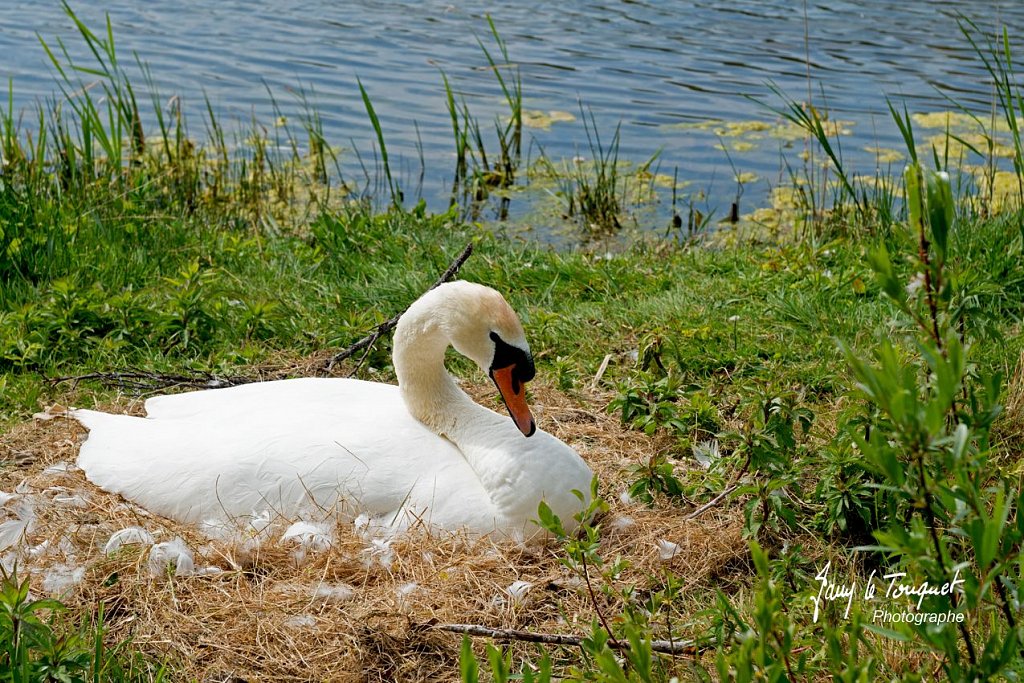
(280, 397)
(290, 458)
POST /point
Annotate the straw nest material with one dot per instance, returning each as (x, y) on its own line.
(340, 606)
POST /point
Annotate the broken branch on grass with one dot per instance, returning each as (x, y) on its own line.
(140, 382)
(721, 496)
(711, 503)
(681, 647)
(369, 340)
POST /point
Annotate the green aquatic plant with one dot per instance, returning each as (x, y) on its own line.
(394, 189)
(593, 188)
(477, 174)
(998, 61)
(110, 125)
(510, 135)
(596, 190)
(460, 118)
(810, 119)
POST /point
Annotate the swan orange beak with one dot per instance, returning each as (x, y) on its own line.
(513, 393)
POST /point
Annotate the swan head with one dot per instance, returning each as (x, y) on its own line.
(480, 324)
(487, 331)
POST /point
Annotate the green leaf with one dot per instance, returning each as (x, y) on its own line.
(468, 667)
(888, 633)
(499, 669)
(915, 198)
(940, 210)
(881, 264)
(549, 521)
(760, 559)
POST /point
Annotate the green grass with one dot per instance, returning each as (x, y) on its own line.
(36, 648)
(193, 293)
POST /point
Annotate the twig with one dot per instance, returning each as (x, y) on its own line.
(711, 503)
(150, 381)
(600, 371)
(677, 647)
(721, 496)
(597, 608)
(388, 325)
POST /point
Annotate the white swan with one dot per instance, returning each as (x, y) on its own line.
(421, 451)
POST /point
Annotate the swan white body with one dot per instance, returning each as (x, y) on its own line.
(424, 452)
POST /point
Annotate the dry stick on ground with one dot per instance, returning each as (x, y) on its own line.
(369, 340)
(668, 647)
(141, 382)
(721, 496)
(711, 503)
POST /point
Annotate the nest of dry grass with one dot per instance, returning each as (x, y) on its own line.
(256, 613)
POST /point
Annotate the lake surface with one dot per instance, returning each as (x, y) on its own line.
(649, 65)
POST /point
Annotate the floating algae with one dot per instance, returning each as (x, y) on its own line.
(943, 119)
(663, 180)
(1004, 187)
(963, 134)
(737, 146)
(743, 135)
(709, 124)
(785, 212)
(886, 155)
(957, 121)
(964, 143)
(535, 118)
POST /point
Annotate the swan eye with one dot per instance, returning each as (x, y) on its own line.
(506, 355)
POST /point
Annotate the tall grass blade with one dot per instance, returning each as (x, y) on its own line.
(396, 193)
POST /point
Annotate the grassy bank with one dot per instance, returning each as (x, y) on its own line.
(847, 393)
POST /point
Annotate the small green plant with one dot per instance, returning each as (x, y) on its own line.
(501, 666)
(651, 404)
(32, 650)
(475, 173)
(931, 446)
(770, 445)
(654, 477)
(849, 492)
(654, 403)
(593, 188)
(27, 638)
(772, 643)
(636, 661)
(188, 317)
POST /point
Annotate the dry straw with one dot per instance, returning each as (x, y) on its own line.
(352, 612)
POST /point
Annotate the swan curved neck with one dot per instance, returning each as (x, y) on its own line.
(429, 392)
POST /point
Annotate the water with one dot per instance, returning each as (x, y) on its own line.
(649, 65)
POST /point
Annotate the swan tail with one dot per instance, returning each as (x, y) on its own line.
(113, 442)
